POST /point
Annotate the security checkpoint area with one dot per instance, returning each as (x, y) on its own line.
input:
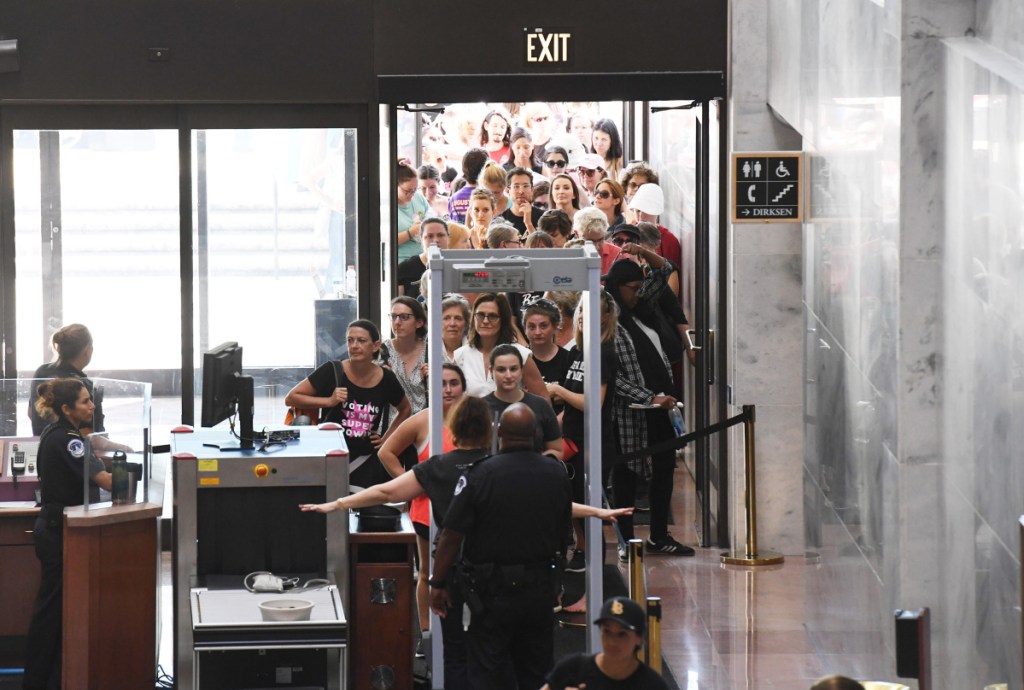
(527, 270)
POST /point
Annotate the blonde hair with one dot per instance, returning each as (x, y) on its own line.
(70, 341)
(491, 174)
(458, 235)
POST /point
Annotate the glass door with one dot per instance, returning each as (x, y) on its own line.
(682, 141)
(96, 240)
(167, 231)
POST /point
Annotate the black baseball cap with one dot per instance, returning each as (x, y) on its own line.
(625, 612)
(630, 231)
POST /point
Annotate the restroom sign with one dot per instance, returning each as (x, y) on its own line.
(548, 47)
(766, 187)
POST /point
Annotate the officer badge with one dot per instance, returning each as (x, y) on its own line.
(76, 448)
(617, 608)
(460, 485)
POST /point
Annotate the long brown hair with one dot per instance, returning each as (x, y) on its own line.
(56, 393)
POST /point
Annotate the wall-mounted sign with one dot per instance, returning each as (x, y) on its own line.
(547, 46)
(766, 187)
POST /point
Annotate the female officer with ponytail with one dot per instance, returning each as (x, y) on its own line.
(64, 457)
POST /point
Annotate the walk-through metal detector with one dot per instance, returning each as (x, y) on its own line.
(528, 270)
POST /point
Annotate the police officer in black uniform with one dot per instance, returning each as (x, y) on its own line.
(510, 514)
(64, 455)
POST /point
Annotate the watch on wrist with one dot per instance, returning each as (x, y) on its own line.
(437, 584)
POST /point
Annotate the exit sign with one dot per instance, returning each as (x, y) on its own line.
(548, 46)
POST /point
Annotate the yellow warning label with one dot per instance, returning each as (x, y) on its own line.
(209, 481)
(207, 465)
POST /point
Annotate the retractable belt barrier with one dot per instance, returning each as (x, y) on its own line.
(680, 441)
(749, 555)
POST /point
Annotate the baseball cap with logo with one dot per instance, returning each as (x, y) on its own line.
(625, 612)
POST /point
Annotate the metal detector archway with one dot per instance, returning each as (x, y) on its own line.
(527, 270)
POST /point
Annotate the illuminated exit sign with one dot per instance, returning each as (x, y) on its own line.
(548, 46)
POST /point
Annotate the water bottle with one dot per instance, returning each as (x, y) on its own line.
(676, 417)
(119, 479)
(351, 284)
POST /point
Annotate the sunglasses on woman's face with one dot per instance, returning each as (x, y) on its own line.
(555, 164)
(602, 194)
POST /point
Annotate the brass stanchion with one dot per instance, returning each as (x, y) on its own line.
(637, 587)
(750, 556)
(654, 633)
(637, 591)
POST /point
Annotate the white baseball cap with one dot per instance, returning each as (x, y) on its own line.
(649, 199)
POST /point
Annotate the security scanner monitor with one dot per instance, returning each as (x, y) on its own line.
(227, 393)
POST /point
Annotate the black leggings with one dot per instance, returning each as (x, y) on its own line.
(624, 480)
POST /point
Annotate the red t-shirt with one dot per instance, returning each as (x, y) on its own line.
(670, 247)
(500, 156)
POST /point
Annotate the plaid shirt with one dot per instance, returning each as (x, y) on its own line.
(631, 424)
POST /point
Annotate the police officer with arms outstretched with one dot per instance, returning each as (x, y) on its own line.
(64, 455)
(510, 514)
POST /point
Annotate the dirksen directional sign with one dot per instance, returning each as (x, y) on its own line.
(766, 187)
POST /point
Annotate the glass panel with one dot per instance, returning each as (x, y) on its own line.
(275, 244)
(96, 212)
(121, 423)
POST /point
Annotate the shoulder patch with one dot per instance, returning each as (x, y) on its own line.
(460, 485)
(76, 447)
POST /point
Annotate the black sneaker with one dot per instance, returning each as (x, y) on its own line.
(668, 546)
(578, 563)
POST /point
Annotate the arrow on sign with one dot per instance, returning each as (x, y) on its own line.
(746, 211)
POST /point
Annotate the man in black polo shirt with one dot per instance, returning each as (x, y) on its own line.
(512, 511)
(521, 212)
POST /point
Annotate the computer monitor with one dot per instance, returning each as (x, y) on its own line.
(226, 391)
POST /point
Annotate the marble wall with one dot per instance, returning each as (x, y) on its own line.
(983, 285)
(765, 320)
(912, 266)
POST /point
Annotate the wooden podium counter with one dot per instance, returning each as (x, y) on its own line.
(382, 613)
(111, 578)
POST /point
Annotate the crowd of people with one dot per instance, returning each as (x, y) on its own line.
(513, 383)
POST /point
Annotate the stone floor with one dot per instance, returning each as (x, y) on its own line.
(728, 628)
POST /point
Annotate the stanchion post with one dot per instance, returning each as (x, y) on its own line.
(636, 571)
(654, 633)
(637, 589)
(750, 555)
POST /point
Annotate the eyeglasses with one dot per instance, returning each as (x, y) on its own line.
(555, 164)
(635, 287)
(587, 173)
(486, 316)
(407, 190)
(602, 194)
(541, 118)
(621, 240)
(400, 317)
